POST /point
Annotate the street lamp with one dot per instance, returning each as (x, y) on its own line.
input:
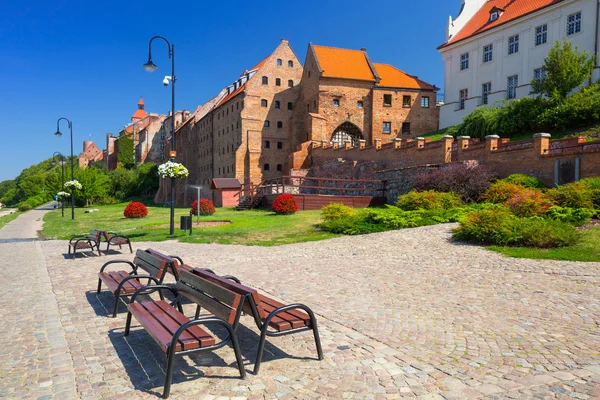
(151, 67)
(58, 133)
(62, 185)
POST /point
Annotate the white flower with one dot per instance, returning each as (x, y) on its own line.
(63, 194)
(172, 170)
(74, 183)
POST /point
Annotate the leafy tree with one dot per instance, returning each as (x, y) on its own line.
(566, 69)
(147, 179)
(122, 182)
(125, 154)
(95, 185)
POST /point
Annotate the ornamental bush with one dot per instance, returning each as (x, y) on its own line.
(529, 203)
(525, 181)
(501, 191)
(492, 225)
(285, 204)
(334, 211)
(575, 195)
(428, 200)
(206, 207)
(468, 181)
(547, 233)
(135, 209)
(572, 216)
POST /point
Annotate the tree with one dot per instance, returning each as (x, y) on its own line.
(125, 154)
(565, 69)
(95, 185)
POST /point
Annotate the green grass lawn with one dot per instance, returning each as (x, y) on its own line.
(7, 218)
(254, 227)
(587, 250)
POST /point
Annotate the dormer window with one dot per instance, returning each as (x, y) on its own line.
(493, 16)
(495, 13)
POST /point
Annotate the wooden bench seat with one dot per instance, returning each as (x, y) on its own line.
(115, 239)
(178, 335)
(112, 280)
(82, 242)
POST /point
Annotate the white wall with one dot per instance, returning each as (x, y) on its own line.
(528, 58)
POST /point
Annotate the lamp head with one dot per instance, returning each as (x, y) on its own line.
(150, 66)
(166, 80)
(57, 133)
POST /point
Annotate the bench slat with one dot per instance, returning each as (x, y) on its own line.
(213, 306)
(196, 331)
(299, 314)
(170, 325)
(113, 278)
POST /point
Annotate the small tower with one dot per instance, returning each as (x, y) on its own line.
(467, 11)
(140, 112)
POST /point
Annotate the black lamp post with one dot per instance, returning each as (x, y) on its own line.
(151, 67)
(62, 184)
(58, 133)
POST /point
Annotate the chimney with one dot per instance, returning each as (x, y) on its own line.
(363, 49)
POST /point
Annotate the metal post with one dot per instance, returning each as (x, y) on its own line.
(62, 181)
(58, 133)
(198, 206)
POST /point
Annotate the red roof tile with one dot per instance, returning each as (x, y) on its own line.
(513, 9)
(343, 63)
(393, 77)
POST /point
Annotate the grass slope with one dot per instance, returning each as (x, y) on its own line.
(7, 218)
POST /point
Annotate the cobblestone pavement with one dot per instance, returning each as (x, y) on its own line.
(401, 314)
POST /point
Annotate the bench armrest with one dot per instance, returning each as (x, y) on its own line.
(81, 237)
(116, 236)
(230, 277)
(281, 309)
(205, 321)
(132, 265)
(153, 288)
(178, 259)
(130, 277)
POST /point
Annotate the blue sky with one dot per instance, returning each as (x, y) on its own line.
(83, 60)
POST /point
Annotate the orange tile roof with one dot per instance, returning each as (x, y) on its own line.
(343, 63)
(513, 9)
(260, 64)
(139, 114)
(141, 102)
(393, 77)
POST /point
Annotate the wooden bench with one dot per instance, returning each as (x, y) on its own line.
(283, 319)
(178, 335)
(115, 239)
(81, 242)
(124, 283)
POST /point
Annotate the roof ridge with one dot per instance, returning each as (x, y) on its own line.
(339, 48)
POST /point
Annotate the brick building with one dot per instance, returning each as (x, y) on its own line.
(90, 153)
(253, 128)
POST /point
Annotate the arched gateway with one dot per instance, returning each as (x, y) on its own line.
(347, 131)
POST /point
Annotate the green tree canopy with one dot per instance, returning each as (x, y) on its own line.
(125, 154)
(565, 69)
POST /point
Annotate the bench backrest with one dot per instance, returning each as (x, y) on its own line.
(171, 266)
(150, 263)
(98, 235)
(248, 292)
(218, 300)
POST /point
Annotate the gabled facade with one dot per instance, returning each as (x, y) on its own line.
(495, 48)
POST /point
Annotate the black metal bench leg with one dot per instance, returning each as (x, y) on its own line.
(317, 339)
(238, 355)
(261, 348)
(127, 324)
(130, 249)
(197, 312)
(99, 285)
(169, 373)
(116, 307)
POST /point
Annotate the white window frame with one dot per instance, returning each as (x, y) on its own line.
(463, 95)
(464, 61)
(541, 34)
(488, 53)
(513, 44)
(539, 74)
(486, 89)
(574, 23)
(388, 125)
(424, 101)
(512, 83)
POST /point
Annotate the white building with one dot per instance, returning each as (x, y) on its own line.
(494, 48)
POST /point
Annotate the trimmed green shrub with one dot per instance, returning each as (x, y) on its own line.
(357, 224)
(579, 110)
(525, 181)
(594, 185)
(492, 225)
(24, 207)
(336, 211)
(501, 191)
(572, 216)
(428, 200)
(547, 233)
(575, 195)
(528, 203)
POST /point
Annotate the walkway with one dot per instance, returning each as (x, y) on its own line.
(401, 314)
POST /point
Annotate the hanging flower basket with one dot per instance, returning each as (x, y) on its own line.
(172, 170)
(63, 194)
(73, 184)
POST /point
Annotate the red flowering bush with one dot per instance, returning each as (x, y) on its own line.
(135, 209)
(285, 204)
(206, 207)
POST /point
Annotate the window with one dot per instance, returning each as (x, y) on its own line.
(574, 23)
(488, 52)
(290, 106)
(290, 63)
(264, 103)
(513, 44)
(279, 124)
(387, 127)
(279, 62)
(406, 101)
(539, 74)
(486, 88)
(511, 86)
(406, 128)
(266, 167)
(462, 95)
(425, 102)
(280, 145)
(267, 124)
(267, 144)
(494, 16)
(359, 104)
(277, 82)
(464, 61)
(387, 100)
(265, 80)
(290, 83)
(541, 34)
(279, 167)
(336, 102)
(277, 104)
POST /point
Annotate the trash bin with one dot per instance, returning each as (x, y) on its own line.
(186, 222)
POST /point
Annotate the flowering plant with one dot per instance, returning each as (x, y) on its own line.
(135, 209)
(206, 207)
(74, 184)
(285, 204)
(172, 169)
(63, 194)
